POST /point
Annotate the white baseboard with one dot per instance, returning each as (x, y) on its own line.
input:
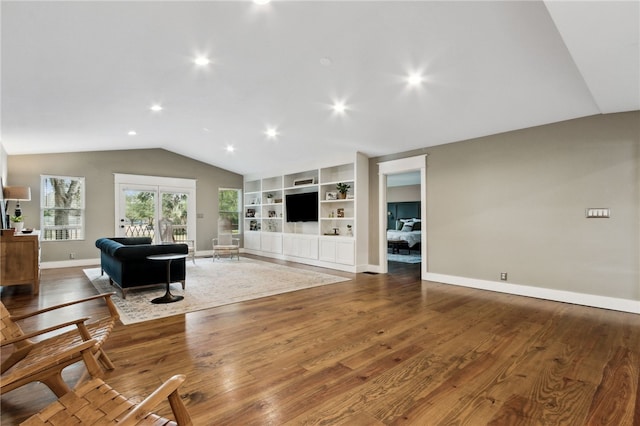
(596, 301)
(70, 263)
(375, 268)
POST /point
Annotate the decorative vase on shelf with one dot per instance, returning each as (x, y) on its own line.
(17, 226)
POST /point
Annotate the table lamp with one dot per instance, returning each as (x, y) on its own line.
(17, 193)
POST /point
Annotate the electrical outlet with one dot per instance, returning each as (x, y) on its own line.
(503, 276)
(72, 255)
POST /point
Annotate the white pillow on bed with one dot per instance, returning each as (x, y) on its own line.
(408, 227)
(400, 223)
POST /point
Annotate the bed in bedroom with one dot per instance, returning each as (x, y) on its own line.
(407, 235)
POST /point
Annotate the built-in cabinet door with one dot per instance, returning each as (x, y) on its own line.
(305, 246)
(337, 250)
(345, 252)
(252, 240)
(308, 248)
(271, 242)
(327, 250)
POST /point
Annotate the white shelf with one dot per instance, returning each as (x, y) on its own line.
(342, 200)
(312, 242)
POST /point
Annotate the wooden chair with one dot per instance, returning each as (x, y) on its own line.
(225, 244)
(166, 237)
(45, 359)
(96, 403)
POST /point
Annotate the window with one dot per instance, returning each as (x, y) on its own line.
(229, 210)
(62, 208)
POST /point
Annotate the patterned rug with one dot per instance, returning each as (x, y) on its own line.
(211, 284)
(404, 258)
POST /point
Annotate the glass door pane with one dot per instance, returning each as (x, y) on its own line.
(138, 213)
(174, 208)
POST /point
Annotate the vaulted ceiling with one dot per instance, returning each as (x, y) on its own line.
(81, 75)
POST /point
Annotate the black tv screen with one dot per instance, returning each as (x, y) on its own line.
(302, 207)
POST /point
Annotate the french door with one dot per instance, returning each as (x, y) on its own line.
(142, 201)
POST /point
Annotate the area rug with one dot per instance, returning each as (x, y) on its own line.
(404, 258)
(211, 284)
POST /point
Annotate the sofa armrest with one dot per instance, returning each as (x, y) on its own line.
(108, 246)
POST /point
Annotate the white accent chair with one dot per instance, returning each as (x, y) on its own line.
(226, 245)
(165, 227)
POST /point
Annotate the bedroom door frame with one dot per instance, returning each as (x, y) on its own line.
(391, 167)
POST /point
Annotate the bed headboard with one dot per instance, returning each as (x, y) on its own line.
(402, 210)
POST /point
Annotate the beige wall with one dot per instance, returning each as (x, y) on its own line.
(515, 202)
(98, 168)
(398, 194)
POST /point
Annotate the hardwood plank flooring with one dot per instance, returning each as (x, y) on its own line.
(376, 350)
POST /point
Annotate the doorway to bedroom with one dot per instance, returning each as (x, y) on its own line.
(404, 218)
(402, 213)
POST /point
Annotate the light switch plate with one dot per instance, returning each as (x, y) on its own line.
(598, 213)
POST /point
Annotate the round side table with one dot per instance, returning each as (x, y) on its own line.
(168, 297)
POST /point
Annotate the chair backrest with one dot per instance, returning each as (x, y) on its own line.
(165, 226)
(9, 329)
(225, 239)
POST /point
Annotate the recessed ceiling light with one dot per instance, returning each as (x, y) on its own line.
(156, 107)
(271, 133)
(415, 79)
(339, 107)
(261, 1)
(325, 62)
(132, 133)
(230, 148)
(201, 61)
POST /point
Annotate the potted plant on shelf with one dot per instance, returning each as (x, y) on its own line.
(342, 189)
(17, 222)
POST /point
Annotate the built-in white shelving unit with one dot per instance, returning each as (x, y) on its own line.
(338, 239)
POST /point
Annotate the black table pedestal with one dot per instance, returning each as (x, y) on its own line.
(168, 297)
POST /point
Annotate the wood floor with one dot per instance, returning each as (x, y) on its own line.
(377, 350)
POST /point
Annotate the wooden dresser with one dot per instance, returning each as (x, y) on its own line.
(20, 259)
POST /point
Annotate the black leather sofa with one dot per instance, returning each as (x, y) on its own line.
(125, 262)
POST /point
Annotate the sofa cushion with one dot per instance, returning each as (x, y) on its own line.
(132, 241)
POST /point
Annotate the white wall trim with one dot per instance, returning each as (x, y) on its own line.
(154, 180)
(596, 301)
(70, 263)
(376, 268)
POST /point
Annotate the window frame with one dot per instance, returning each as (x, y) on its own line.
(238, 212)
(81, 227)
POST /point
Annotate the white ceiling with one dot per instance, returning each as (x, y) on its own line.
(78, 75)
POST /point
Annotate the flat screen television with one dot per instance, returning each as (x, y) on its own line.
(302, 207)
